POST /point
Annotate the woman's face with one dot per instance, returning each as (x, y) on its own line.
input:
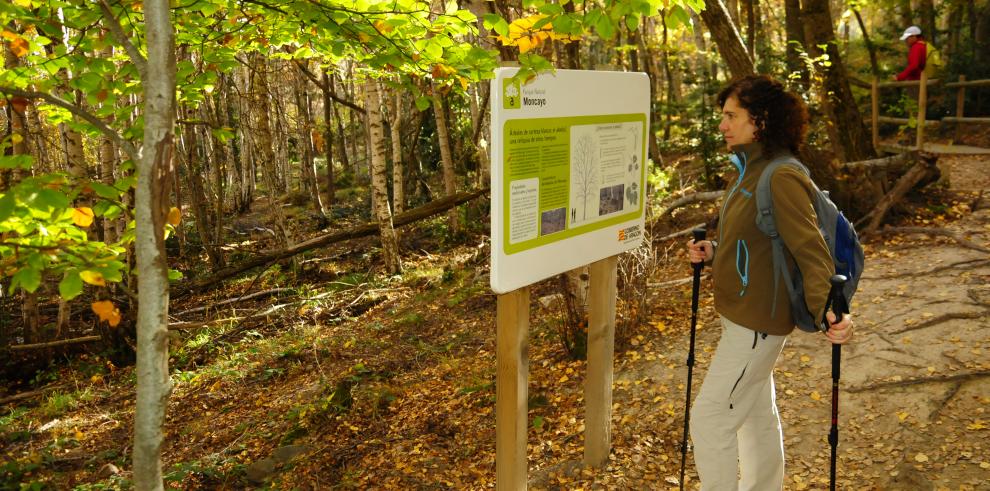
(737, 125)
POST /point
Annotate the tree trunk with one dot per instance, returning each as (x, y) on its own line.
(850, 139)
(262, 136)
(750, 6)
(874, 67)
(194, 159)
(379, 181)
(928, 18)
(725, 35)
(795, 42)
(447, 161)
(151, 206)
(328, 141)
(398, 169)
(305, 143)
(478, 100)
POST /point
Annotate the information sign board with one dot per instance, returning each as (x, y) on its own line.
(568, 171)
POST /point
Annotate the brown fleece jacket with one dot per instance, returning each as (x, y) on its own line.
(742, 269)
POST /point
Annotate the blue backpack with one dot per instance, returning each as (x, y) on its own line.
(840, 236)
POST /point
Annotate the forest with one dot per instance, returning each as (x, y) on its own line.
(246, 243)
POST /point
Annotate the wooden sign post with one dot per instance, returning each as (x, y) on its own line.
(568, 184)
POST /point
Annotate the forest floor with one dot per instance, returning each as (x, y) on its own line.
(358, 380)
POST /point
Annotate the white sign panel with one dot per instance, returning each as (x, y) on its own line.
(568, 171)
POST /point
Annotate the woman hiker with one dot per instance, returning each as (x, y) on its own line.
(735, 423)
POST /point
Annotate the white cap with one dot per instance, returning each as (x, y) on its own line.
(911, 31)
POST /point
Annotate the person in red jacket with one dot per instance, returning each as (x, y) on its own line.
(917, 54)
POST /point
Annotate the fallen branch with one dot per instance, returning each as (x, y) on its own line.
(682, 233)
(923, 169)
(916, 381)
(273, 291)
(901, 159)
(704, 197)
(936, 231)
(363, 230)
(52, 344)
(942, 318)
(29, 395)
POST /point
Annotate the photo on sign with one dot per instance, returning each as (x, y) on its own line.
(552, 221)
(610, 199)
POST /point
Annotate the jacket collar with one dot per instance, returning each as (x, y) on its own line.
(749, 152)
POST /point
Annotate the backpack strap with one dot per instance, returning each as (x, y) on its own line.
(767, 223)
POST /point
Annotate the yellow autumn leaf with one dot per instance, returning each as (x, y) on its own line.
(805, 358)
(96, 378)
(921, 457)
(384, 27)
(902, 415)
(18, 45)
(93, 278)
(107, 311)
(78, 434)
(661, 327)
(816, 396)
(977, 425)
(82, 216)
(23, 3)
(174, 216)
(16, 138)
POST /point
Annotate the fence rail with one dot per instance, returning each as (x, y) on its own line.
(923, 85)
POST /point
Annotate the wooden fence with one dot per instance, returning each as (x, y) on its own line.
(922, 121)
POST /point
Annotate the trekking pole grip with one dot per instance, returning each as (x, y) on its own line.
(699, 235)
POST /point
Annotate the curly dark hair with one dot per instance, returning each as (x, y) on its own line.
(780, 116)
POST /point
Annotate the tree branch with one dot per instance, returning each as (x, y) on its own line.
(78, 111)
(52, 344)
(915, 381)
(118, 33)
(936, 231)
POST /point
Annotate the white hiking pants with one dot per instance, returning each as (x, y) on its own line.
(734, 419)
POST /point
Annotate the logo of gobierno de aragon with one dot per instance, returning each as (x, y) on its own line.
(511, 94)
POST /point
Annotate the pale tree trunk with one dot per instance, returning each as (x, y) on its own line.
(398, 169)
(726, 36)
(151, 207)
(220, 156)
(850, 139)
(379, 184)
(928, 18)
(17, 121)
(262, 137)
(325, 87)
(478, 99)
(307, 150)
(194, 158)
(75, 165)
(446, 159)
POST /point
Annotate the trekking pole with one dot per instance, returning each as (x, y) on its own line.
(699, 235)
(839, 307)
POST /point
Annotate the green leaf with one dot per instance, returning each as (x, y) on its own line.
(423, 103)
(27, 278)
(6, 206)
(50, 198)
(104, 191)
(632, 22)
(551, 9)
(174, 275)
(71, 285)
(23, 161)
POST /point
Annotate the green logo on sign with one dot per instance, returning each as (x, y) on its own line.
(511, 94)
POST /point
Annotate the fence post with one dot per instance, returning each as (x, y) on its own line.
(960, 103)
(922, 108)
(875, 111)
(511, 390)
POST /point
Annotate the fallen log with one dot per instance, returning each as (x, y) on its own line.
(29, 394)
(681, 233)
(52, 344)
(937, 231)
(363, 230)
(273, 291)
(923, 169)
(901, 159)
